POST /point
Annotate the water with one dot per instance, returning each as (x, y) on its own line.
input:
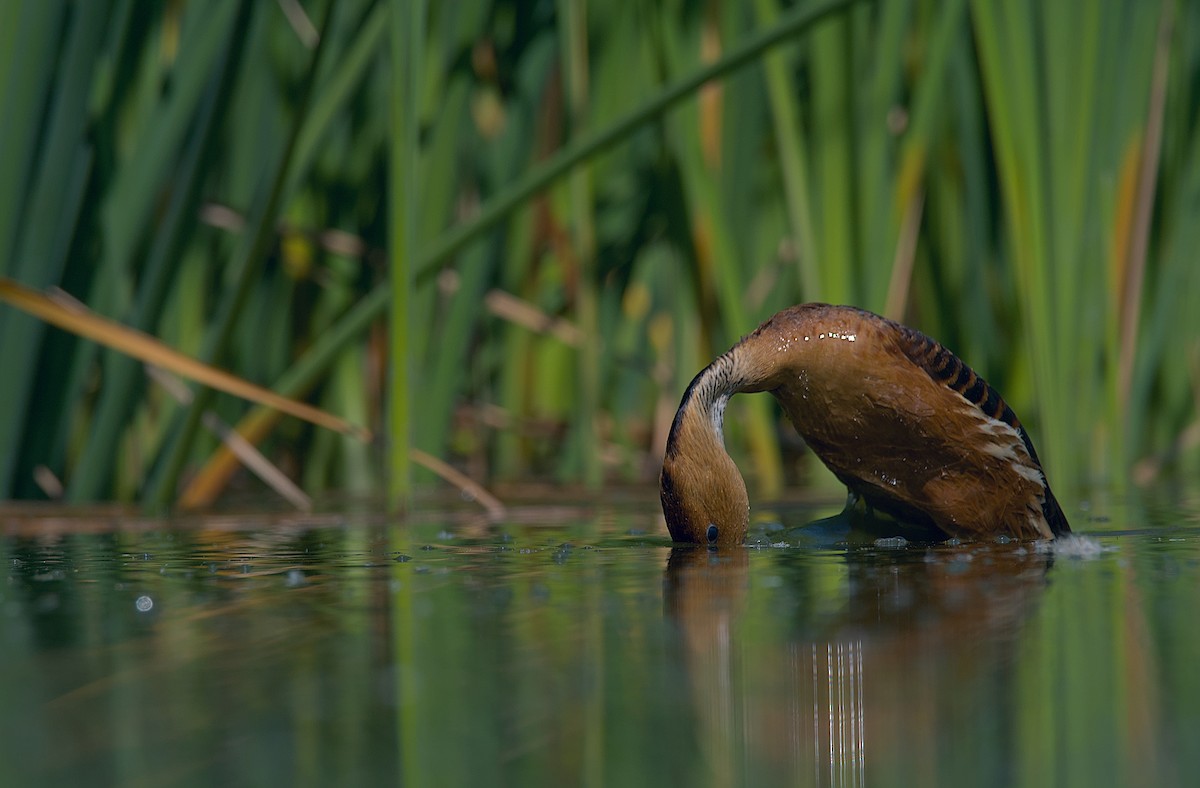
(585, 650)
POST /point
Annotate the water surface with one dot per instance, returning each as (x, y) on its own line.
(579, 648)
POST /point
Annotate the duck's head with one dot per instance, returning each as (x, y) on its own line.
(704, 497)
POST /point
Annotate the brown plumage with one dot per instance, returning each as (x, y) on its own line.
(899, 419)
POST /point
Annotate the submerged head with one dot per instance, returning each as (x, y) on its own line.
(704, 500)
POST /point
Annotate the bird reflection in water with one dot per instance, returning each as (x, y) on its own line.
(869, 676)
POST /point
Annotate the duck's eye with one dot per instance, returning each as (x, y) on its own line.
(711, 533)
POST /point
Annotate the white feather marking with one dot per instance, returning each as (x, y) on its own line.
(1009, 447)
(993, 426)
(718, 416)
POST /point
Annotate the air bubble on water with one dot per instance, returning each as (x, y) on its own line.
(144, 604)
(891, 543)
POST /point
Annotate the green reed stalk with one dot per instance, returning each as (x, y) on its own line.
(516, 350)
(249, 266)
(791, 143)
(441, 356)
(502, 204)
(574, 56)
(910, 175)
(513, 197)
(833, 142)
(329, 104)
(408, 39)
(878, 210)
(1006, 39)
(1066, 121)
(123, 376)
(43, 173)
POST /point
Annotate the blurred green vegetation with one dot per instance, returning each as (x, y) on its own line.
(570, 219)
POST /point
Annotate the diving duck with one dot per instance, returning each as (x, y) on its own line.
(908, 427)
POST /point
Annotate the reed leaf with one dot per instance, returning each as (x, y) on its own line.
(75, 318)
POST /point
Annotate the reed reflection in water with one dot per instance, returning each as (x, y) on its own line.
(589, 652)
(874, 678)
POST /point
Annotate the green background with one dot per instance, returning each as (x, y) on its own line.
(566, 226)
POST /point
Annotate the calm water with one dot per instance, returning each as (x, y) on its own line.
(578, 648)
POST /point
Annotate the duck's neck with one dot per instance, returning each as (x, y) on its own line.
(703, 494)
(699, 422)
